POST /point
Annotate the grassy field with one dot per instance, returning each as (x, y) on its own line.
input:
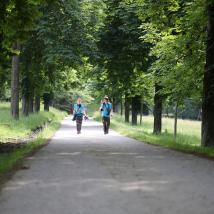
(10, 128)
(188, 138)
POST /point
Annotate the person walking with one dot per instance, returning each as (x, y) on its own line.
(106, 108)
(79, 112)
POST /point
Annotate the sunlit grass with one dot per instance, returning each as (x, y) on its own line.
(188, 138)
(8, 161)
(185, 127)
(189, 132)
(10, 128)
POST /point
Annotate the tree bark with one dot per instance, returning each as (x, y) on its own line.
(15, 82)
(46, 97)
(46, 106)
(176, 121)
(135, 108)
(37, 103)
(25, 105)
(208, 84)
(127, 109)
(114, 105)
(141, 110)
(31, 101)
(157, 110)
(167, 110)
(121, 107)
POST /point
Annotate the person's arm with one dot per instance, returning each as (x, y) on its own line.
(85, 111)
(101, 107)
(111, 109)
(74, 109)
(71, 109)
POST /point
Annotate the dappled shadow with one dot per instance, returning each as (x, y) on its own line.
(115, 174)
(82, 179)
(96, 186)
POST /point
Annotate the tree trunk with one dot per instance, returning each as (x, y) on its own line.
(114, 105)
(31, 99)
(135, 108)
(37, 103)
(157, 110)
(15, 83)
(46, 106)
(127, 109)
(141, 110)
(121, 107)
(208, 84)
(25, 105)
(176, 121)
(46, 98)
(167, 110)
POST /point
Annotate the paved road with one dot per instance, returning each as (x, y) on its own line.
(97, 174)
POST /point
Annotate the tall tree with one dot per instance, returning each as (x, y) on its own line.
(122, 53)
(15, 81)
(4, 53)
(208, 94)
(176, 32)
(59, 41)
(20, 19)
(158, 106)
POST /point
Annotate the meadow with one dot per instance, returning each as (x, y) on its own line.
(189, 131)
(188, 137)
(16, 129)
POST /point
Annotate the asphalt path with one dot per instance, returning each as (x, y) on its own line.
(93, 173)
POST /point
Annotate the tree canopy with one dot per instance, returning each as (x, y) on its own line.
(143, 54)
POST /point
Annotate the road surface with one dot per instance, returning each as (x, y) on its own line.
(93, 173)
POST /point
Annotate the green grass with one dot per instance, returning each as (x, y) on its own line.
(10, 128)
(8, 161)
(188, 138)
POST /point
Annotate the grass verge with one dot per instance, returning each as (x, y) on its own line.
(188, 139)
(10, 161)
(10, 128)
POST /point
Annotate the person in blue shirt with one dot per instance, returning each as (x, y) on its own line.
(79, 112)
(106, 108)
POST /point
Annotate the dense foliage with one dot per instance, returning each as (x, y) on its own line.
(147, 55)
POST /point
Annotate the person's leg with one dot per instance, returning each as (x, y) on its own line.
(107, 124)
(103, 121)
(104, 124)
(79, 124)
